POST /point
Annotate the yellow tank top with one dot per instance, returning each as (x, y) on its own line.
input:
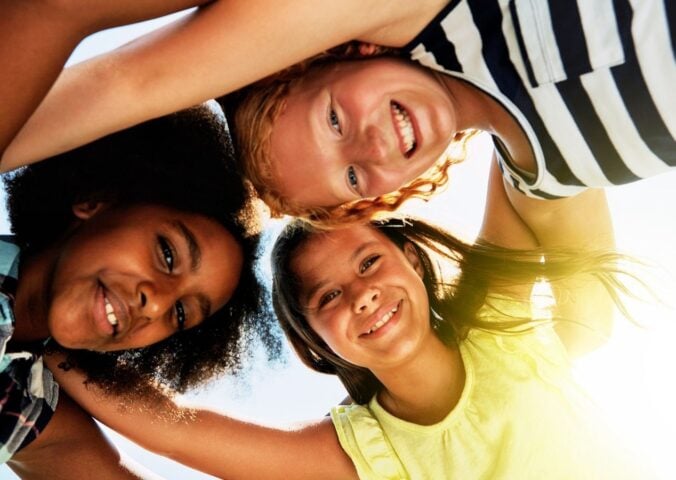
(520, 416)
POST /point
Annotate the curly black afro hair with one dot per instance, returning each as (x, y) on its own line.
(182, 161)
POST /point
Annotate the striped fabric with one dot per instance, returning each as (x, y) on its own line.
(592, 83)
(28, 392)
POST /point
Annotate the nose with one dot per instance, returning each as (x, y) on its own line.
(370, 147)
(156, 298)
(366, 299)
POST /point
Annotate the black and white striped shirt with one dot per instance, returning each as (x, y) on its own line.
(592, 83)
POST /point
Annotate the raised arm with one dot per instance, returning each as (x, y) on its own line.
(213, 443)
(73, 446)
(216, 50)
(39, 35)
(582, 223)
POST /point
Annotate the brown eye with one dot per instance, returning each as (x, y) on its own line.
(368, 263)
(180, 316)
(167, 252)
(328, 297)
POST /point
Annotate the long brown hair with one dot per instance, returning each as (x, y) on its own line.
(454, 302)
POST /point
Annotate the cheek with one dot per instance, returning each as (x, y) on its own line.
(326, 330)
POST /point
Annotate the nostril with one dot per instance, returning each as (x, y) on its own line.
(144, 300)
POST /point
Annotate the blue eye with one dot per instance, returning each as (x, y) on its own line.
(180, 316)
(352, 179)
(334, 121)
(167, 253)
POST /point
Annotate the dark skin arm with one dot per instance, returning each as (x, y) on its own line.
(72, 446)
(214, 443)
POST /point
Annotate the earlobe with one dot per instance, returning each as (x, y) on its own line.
(413, 258)
(86, 210)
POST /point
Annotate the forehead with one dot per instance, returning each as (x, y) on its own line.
(324, 252)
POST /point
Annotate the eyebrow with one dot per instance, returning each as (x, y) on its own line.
(356, 254)
(193, 247)
(195, 260)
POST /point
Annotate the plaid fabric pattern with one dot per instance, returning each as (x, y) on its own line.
(28, 392)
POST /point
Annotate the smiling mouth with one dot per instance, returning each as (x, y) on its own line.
(110, 314)
(404, 128)
(383, 320)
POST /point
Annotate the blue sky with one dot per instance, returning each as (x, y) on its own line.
(629, 377)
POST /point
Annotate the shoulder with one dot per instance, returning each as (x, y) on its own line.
(363, 439)
(28, 400)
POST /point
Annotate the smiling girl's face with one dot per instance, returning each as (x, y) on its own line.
(129, 277)
(359, 129)
(364, 296)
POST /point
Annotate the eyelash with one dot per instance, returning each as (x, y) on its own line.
(328, 297)
(168, 257)
(334, 121)
(368, 263)
(352, 179)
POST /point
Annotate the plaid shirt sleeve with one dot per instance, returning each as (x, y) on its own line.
(28, 392)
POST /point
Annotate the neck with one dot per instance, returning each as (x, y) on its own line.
(424, 390)
(477, 110)
(30, 307)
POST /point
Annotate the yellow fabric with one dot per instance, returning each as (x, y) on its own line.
(520, 416)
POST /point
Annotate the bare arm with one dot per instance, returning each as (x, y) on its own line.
(214, 443)
(216, 50)
(581, 223)
(72, 446)
(39, 35)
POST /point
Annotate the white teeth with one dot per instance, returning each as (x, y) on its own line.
(110, 312)
(405, 126)
(385, 318)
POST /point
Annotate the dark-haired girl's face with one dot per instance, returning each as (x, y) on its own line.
(128, 277)
(364, 296)
(359, 129)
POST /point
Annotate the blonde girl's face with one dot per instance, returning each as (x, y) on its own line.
(364, 296)
(359, 129)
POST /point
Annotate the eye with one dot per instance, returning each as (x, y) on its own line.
(328, 297)
(368, 263)
(180, 316)
(167, 252)
(334, 121)
(352, 179)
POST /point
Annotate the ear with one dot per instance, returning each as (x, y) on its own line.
(414, 259)
(86, 210)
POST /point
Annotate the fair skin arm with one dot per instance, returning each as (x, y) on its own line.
(39, 35)
(214, 443)
(72, 446)
(581, 222)
(216, 50)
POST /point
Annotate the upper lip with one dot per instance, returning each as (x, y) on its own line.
(376, 316)
(119, 307)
